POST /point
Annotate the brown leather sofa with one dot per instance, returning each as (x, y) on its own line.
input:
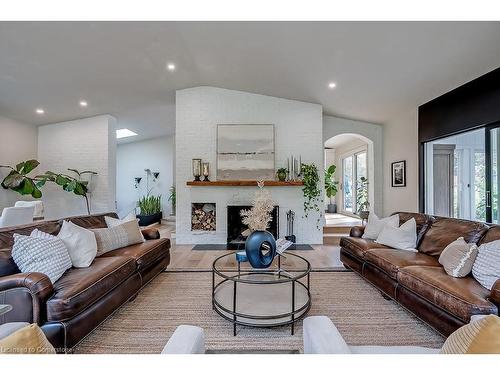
(416, 280)
(82, 298)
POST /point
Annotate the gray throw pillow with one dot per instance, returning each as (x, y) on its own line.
(458, 257)
(486, 268)
(122, 235)
(48, 256)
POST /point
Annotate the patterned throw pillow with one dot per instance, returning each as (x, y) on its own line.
(48, 256)
(458, 257)
(480, 336)
(111, 222)
(122, 235)
(486, 268)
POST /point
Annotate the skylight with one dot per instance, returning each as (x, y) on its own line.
(124, 133)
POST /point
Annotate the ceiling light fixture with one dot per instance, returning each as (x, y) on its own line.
(83, 103)
(171, 66)
(332, 85)
(40, 111)
(124, 133)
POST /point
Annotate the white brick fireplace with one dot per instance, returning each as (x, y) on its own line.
(298, 131)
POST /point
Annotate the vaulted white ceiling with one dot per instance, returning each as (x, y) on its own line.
(380, 68)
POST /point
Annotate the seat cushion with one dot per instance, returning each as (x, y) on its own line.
(461, 297)
(359, 246)
(79, 288)
(144, 253)
(444, 231)
(391, 260)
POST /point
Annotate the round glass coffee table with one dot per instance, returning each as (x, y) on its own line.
(271, 297)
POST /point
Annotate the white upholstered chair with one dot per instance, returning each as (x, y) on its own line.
(38, 205)
(322, 337)
(12, 216)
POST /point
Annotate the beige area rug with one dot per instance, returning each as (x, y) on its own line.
(361, 314)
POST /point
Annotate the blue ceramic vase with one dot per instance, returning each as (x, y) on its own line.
(253, 248)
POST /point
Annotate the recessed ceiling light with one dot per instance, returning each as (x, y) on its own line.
(40, 111)
(171, 66)
(332, 85)
(124, 133)
(83, 103)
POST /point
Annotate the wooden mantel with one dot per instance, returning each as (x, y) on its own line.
(243, 183)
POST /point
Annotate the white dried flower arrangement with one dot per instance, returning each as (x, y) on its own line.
(259, 216)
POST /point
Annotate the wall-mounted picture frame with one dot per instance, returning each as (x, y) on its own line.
(245, 152)
(398, 173)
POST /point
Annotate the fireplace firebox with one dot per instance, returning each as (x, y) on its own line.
(235, 226)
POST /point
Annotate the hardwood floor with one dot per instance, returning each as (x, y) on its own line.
(183, 258)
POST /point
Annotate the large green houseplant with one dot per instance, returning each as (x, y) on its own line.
(362, 203)
(150, 207)
(311, 190)
(20, 181)
(331, 188)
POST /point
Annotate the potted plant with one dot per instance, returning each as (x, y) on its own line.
(172, 198)
(150, 207)
(281, 174)
(331, 188)
(311, 190)
(362, 198)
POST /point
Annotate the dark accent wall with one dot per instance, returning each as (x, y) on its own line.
(472, 105)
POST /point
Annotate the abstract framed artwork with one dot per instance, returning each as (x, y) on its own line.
(398, 173)
(245, 152)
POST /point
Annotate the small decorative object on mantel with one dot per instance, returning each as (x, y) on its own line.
(398, 173)
(206, 171)
(294, 168)
(196, 169)
(257, 219)
(281, 173)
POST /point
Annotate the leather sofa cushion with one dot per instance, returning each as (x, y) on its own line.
(79, 288)
(144, 253)
(444, 231)
(492, 234)
(391, 260)
(461, 297)
(358, 246)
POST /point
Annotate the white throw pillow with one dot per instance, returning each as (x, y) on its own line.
(402, 238)
(113, 222)
(486, 268)
(375, 225)
(81, 244)
(39, 234)
(48, 256)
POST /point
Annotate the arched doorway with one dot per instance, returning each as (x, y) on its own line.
(353, 156)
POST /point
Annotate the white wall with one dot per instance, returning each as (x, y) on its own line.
(131, 160)
(401, 143)
(18, 142)
(333, 126)
(85, 144)
(298, 130)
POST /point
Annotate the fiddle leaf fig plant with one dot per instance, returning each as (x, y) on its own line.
(330, 185)
(19, 181)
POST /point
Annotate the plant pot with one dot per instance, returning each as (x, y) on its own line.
(364, 215)
(281, 176)
(331, 208)
(145, 220)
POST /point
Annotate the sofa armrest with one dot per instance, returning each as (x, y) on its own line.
(322, 337)
(27, 293)
(186, 340)
(495, 293)
(150, 233)
(357, 231)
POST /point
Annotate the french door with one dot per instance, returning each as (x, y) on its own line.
(492, 157)
(354, 167)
